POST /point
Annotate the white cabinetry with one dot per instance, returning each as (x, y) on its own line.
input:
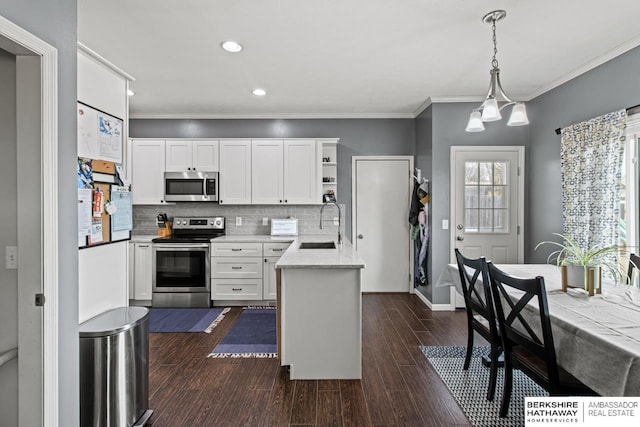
(329, 163)
(300, 177)
(236, 271)
(235, 172)
(284, 172)
(244, 271)
(184, 156)
(272, 253)
(140, 258)
(267, 160)
(147, 172)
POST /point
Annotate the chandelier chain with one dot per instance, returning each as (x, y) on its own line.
(494, 60)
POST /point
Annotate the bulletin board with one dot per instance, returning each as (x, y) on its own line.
(104, 194)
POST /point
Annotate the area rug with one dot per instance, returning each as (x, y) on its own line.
(253, 335)
(185, 319)
(470, 387)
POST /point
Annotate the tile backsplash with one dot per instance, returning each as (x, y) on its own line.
(144, 217)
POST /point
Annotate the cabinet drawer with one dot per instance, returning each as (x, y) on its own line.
(236, 267)
(236, 249)
(275, 249)
(236, 289)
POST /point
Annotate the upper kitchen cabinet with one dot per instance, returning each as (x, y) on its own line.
(183, 156)
(235, 172)
(300, 172)
(267, 160)
(147, 172)
(284, 172)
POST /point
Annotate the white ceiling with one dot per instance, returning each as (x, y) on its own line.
(345, 58)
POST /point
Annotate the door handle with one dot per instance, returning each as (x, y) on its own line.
(460, 238)
(360, 236)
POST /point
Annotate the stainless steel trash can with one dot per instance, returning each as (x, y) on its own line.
(114, 368)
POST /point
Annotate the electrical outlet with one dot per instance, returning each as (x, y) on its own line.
(336, 221)
(238, 221)
(265, 221)
(11, 260)
(445, 224)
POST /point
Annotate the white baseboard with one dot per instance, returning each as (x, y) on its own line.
(434, 307)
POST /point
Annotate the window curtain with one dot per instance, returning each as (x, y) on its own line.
(591, 161)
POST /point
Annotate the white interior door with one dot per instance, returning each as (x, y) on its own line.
(381, 195)
(487, 197)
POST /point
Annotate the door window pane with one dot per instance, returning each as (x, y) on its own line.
(486, 188)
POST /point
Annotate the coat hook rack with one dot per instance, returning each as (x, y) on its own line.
(418, 176)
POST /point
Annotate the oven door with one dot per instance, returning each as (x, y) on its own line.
(181, 267)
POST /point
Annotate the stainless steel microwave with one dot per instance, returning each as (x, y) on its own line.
(191, 186)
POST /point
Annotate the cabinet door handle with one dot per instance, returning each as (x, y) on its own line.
(236, 289)
(236, 250)
(277, 250)
(143, 246)
(236, 268)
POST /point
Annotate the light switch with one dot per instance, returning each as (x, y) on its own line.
(445, 224)
(11, 260)
(265, 221)
(238, 221)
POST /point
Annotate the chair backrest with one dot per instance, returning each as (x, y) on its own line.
(474, 276)
(634, 263)
(518, 324)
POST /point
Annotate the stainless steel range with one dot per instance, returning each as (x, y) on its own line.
(182, 265)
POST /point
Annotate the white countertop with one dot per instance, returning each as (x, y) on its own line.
(343, 257)
(294, 257)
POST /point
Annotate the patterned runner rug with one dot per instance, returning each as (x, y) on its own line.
(470, 387)
(185, 319)
(253, 335)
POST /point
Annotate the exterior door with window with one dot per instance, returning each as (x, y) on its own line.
(487, 202)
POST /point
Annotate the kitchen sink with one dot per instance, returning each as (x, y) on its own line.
(317, 245)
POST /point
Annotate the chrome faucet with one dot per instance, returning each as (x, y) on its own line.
(339, 218)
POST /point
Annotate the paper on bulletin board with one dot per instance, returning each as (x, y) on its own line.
(96, 231)
(122, 218)
(99, 135)
(84, 215)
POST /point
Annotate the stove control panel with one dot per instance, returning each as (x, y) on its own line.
(199, 223)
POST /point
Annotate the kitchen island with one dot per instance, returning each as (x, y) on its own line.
(320, 310)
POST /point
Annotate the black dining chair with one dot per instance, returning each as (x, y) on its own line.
(519, 330)
(474, 276)
(634, 264)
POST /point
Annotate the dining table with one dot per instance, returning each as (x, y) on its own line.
(596, 339)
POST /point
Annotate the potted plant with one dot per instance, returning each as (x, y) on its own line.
(578, 262)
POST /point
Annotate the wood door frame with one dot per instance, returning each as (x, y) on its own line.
(15, 36)
(354, 203)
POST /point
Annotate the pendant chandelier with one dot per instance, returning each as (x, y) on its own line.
(489, 110)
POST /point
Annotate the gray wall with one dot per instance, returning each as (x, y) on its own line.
(423, 161)
(448, 123)
(358, 137)
(8, 237)
(609, 87)
(55, 23)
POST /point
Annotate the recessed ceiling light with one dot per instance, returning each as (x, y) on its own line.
(259, 92)
(231, 46)
(130, 92)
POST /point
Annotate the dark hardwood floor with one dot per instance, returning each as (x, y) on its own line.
(398, 386)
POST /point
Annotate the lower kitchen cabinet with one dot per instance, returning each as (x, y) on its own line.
(141, 260)
(244, 271)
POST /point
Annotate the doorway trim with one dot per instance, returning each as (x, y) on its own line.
(354, 207)
(49, 214)
(455, 149)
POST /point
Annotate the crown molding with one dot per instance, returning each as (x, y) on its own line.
(93, 54)
(267, 116)
(588, 66)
